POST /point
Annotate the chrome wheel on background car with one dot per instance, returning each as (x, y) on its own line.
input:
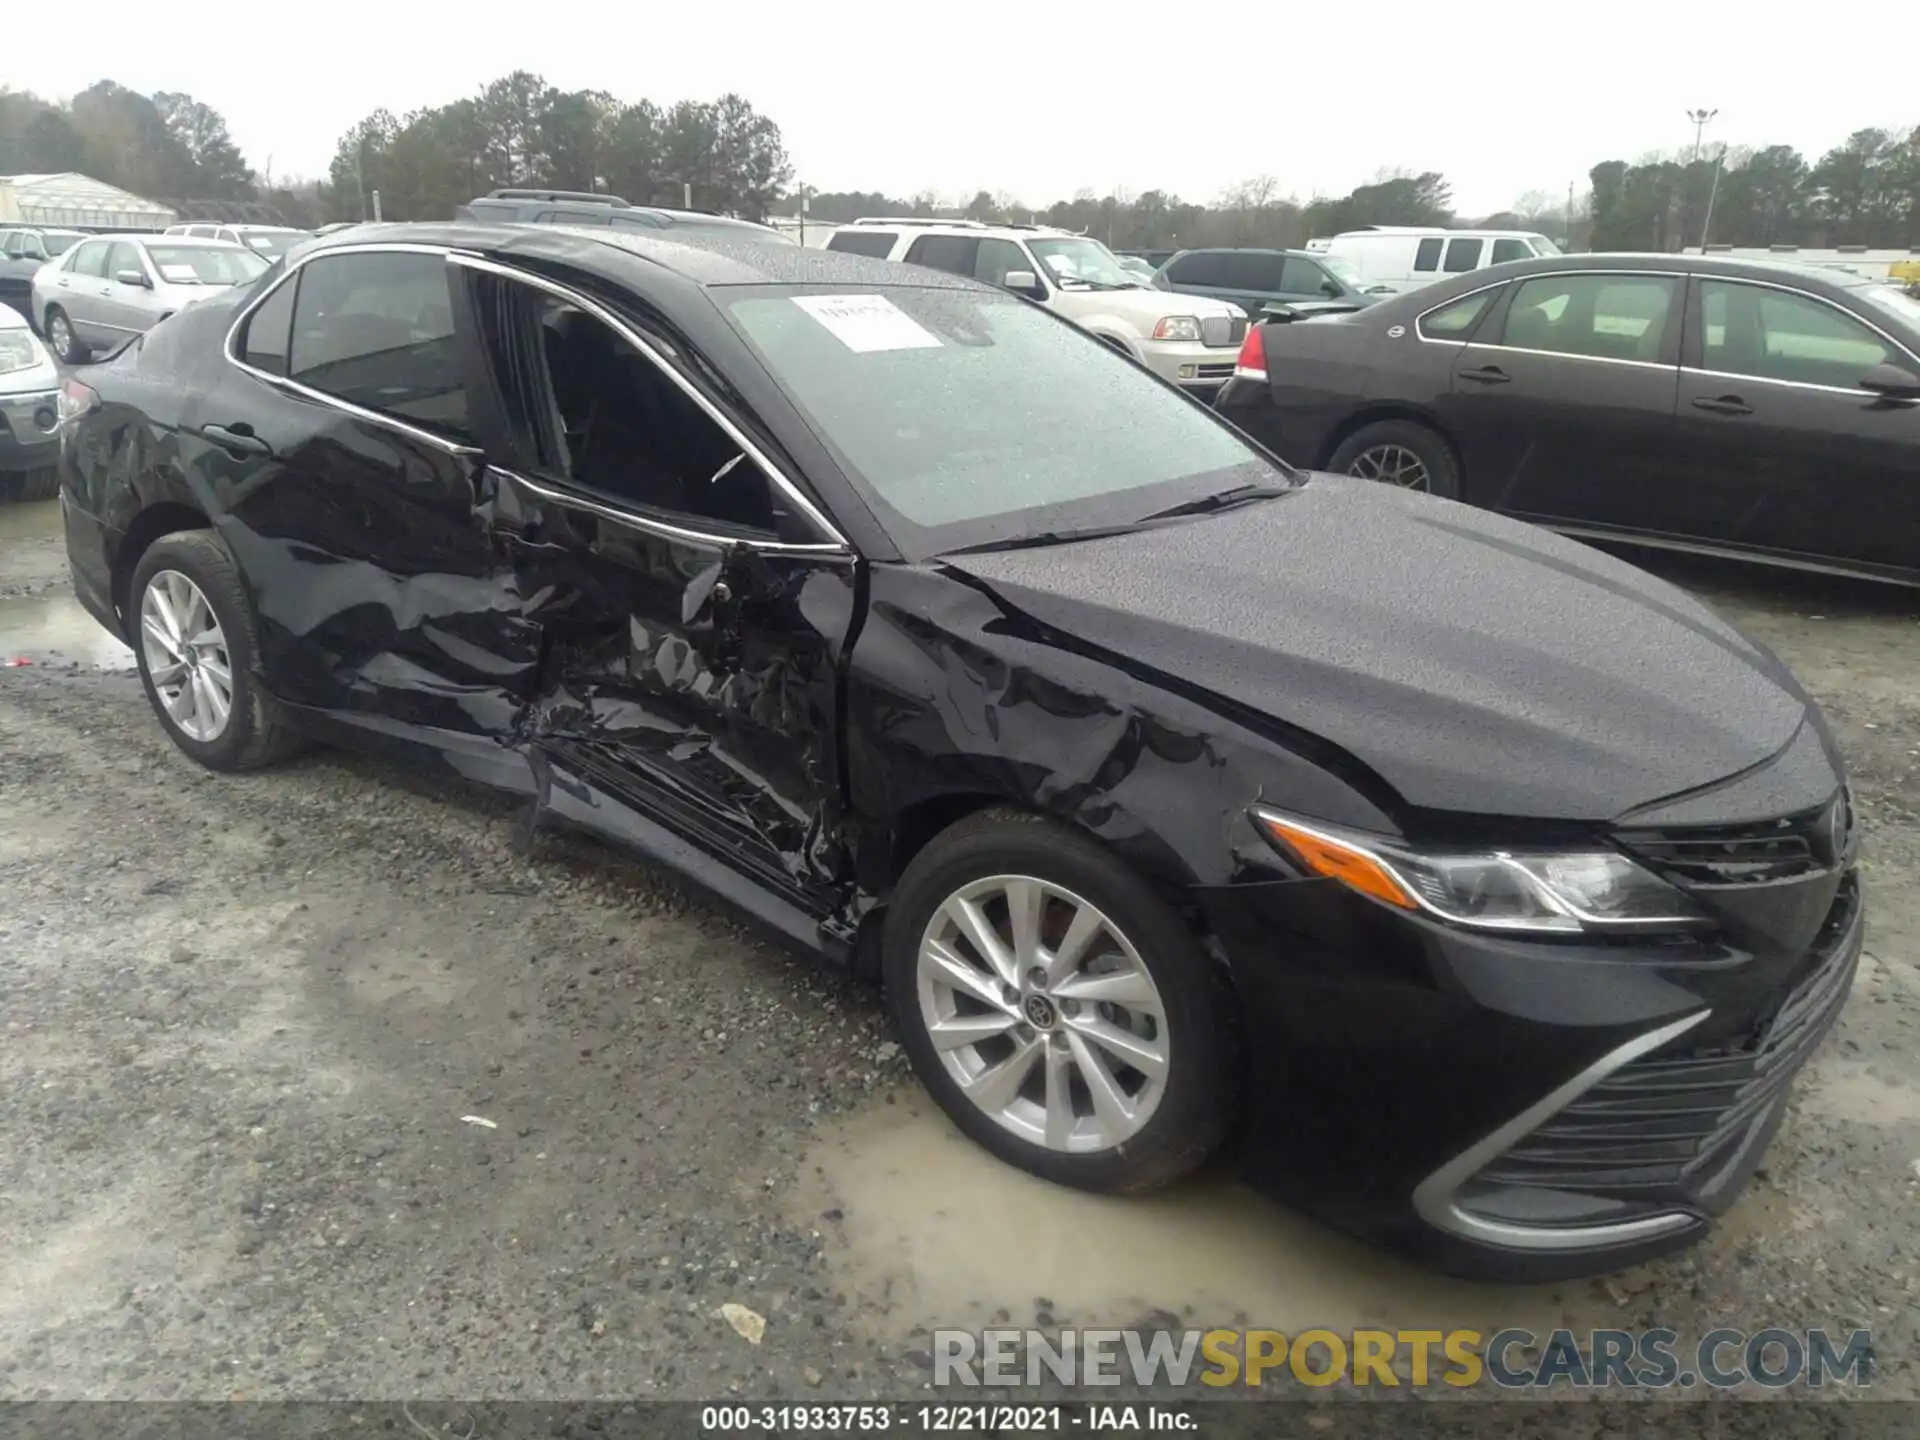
(1043, 1013)
(187, 657)
(1391, 465)
(60, 336)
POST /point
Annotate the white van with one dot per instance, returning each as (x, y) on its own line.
(1393, 258)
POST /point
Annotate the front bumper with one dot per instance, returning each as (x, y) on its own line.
(1201, 369)
(29, 428)
(1520, 1111)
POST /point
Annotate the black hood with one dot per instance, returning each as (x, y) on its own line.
(1475, 663)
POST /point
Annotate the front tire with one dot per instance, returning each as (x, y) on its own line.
(26, 485)
(1402, 453)
(60, 337)
(194, 641)
(1057, 1008)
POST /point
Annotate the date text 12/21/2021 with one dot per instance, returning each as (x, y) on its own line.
(945, 1419)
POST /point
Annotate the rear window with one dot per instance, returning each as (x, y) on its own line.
(877, 243)
(969, 416)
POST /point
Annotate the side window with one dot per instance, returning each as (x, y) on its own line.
(996, 258)
(264, 345)
(1255, 270)
(1306, 277)
(376, 330)
(1455, 321)
(123, 257)
(1202, 267)
(613, 422)
(1505, 250)
(877, 243)
(953, 253)
(1462, 256)
(1604, 317)
(631, 222)
(1781, 335)
(1427, 257)
(91, 258)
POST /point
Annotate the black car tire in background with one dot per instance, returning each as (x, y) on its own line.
(1194, 1108)
(253, 734)
(62, 341)
(42, 483)
(1374, 451)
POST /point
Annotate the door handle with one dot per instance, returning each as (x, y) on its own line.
(1723, 405)
(237, 439)
(1486, 375)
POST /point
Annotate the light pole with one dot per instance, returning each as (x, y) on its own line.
(1700, 119)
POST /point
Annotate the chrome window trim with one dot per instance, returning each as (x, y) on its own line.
(1419, 330)
(281, 382)
(1895, 341)
(1852, 393)
(814, 515)
(661, 527)
(1433, 1199)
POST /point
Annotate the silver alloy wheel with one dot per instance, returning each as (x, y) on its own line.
(1044, 1013)
(61, 334)
(186, 655)
(1391, 465)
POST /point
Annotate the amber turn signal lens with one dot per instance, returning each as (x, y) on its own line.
(1336, 860)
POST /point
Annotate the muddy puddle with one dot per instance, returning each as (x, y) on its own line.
(922, 1228)
(54, 630)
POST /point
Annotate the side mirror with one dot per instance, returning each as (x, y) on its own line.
(1025, 282)
(1330, 289)
(133, 277)
(1278, 313)
(1892, 382)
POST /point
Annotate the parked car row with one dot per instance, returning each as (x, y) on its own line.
(105, 290)
(1483, 892)
(1752, 408)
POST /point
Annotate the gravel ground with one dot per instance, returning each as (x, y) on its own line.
(247, 1023)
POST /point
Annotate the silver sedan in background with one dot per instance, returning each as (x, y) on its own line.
(104, 291)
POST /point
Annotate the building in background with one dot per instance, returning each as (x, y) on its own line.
(77, 202)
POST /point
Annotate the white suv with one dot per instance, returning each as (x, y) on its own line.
(1191, 340)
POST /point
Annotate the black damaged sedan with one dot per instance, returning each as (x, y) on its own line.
(1480, 892)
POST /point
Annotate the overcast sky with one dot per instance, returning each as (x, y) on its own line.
(1044, 100)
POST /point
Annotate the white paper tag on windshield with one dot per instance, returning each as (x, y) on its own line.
(868, 322)
(179, 274)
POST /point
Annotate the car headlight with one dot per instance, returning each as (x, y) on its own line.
(19, 350)
(1541, 891)
(1177, 327)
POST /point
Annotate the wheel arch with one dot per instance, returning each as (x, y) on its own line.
(1373, 414)
(155, 522)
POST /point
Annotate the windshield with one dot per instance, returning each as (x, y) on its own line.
(205, 264)
(969, 417)
(59, 244)
(272, 244)
(1345, 269)
(1543, 246)
(1894, 301)
(1078, 260)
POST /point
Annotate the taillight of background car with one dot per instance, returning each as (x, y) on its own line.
(1251, 364)
(76, 400)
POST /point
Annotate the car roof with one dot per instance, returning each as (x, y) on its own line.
(1751, 269)
(632, 257)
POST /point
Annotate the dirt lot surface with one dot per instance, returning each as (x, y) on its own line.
(251, 1028)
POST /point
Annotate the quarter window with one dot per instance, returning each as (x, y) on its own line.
(1780, 335)
(1604, 317)
(264, 345)
(376, 330)
(1304, 277)
(1427, 257)
(1455, 321)
(877, 243)
(1462, 256)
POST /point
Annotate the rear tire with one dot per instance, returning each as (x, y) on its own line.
(40, 484)
(64, 343)
(1020, 1053)
(1388, 450)
(194, 639)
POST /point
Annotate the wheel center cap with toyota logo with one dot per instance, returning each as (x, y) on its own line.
(1040, 1012)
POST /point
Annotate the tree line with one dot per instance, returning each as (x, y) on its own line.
(724, 155)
